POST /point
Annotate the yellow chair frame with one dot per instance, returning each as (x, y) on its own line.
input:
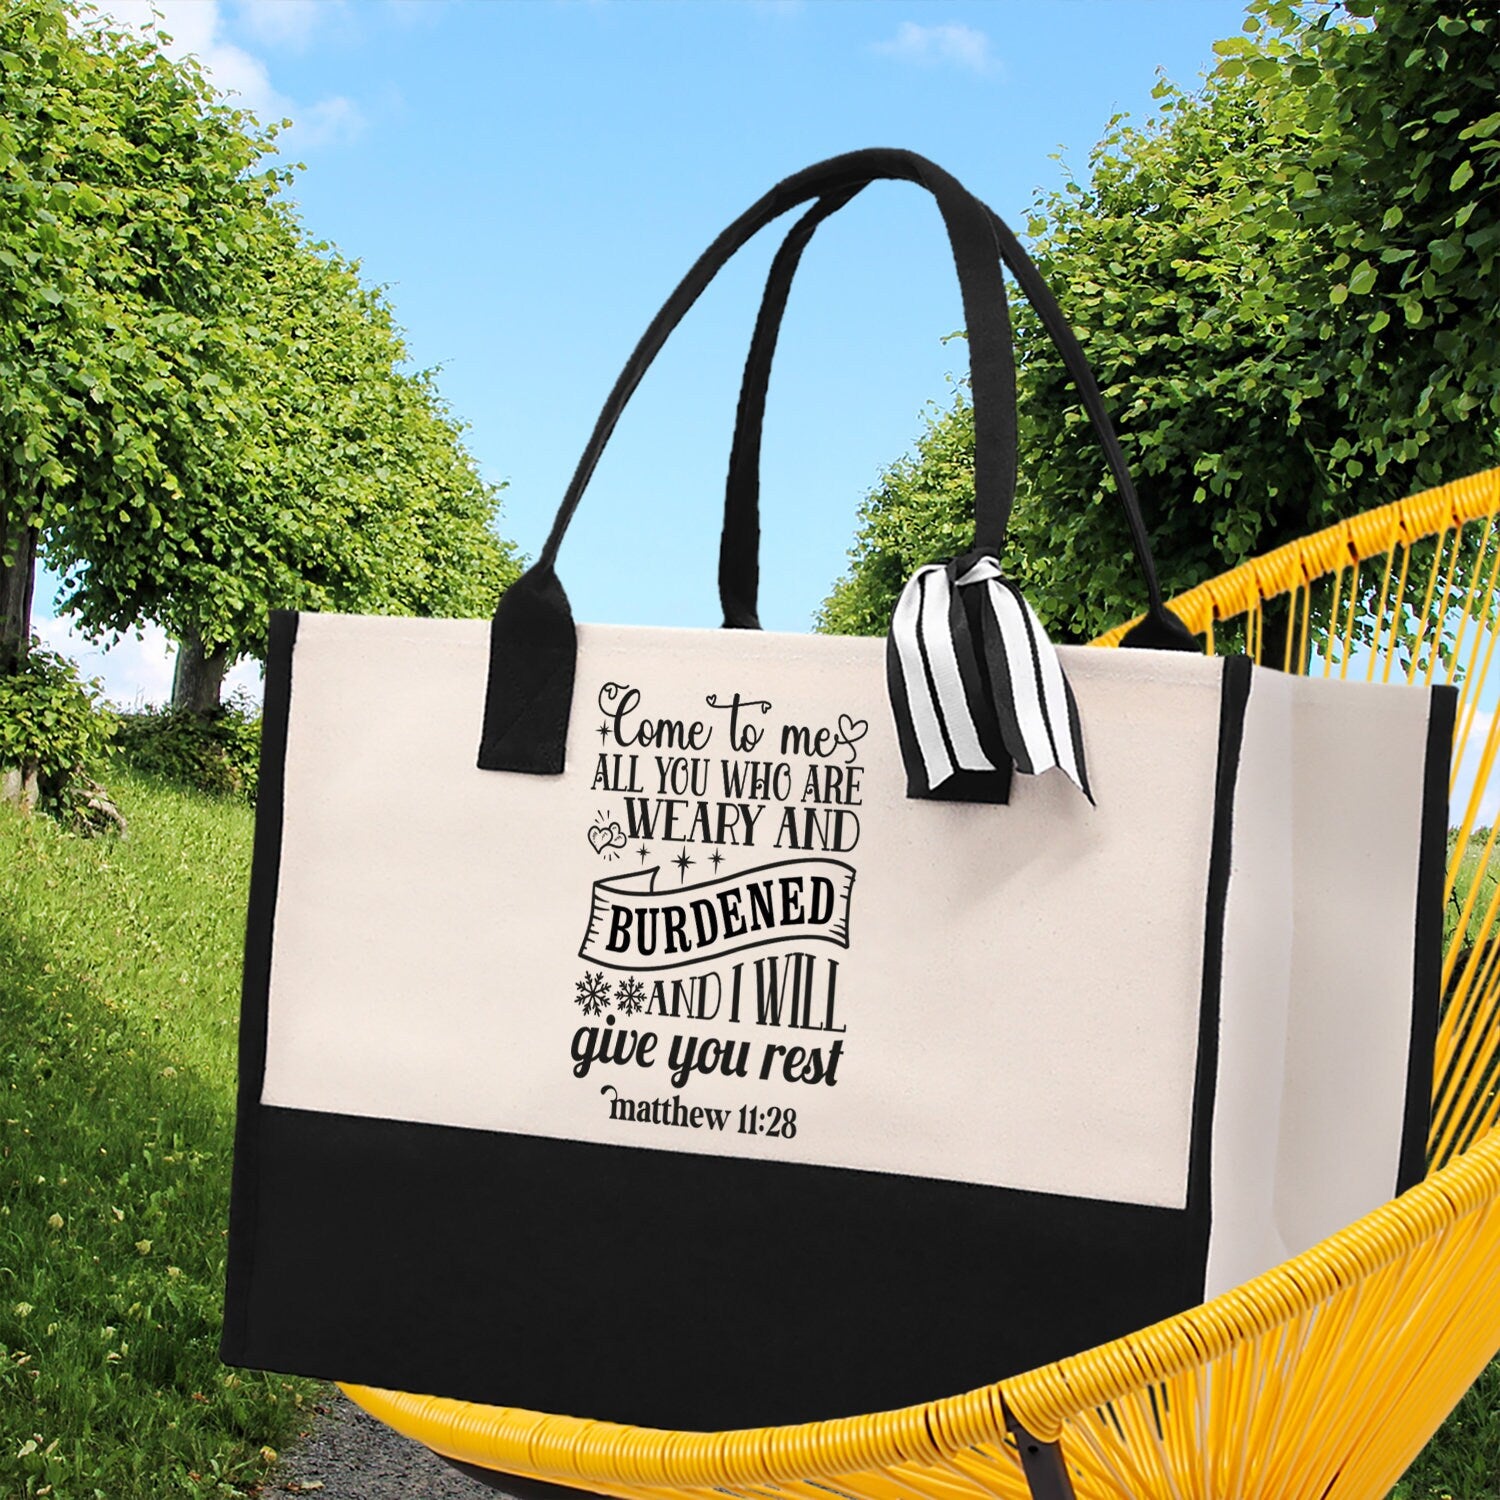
(1321, 1378)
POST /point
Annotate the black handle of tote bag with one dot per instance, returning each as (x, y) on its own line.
(533, 644)
(739, 544)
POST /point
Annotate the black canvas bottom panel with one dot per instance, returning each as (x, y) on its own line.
(666, 1289)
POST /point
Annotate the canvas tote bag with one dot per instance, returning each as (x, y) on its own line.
(766, 1028)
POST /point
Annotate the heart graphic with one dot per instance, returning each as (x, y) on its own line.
(606, 836)
(851, 730)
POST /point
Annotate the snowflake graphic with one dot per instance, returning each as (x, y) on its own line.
(630, 996)
(593, 993)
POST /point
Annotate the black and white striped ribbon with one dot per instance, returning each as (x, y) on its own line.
(981, 682)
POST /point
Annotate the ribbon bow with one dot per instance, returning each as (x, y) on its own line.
(975, 681)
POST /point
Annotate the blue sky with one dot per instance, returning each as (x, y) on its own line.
(529, 178)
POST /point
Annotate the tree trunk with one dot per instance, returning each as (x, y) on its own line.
(20, 786)
(198, 679)
(18, 549)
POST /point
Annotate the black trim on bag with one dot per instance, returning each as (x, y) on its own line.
(1234, 696)
(1427, 978)
(265, 874)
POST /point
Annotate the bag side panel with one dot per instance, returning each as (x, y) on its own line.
(1368, 790)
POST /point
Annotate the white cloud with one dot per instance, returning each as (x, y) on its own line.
(197, 29)
(951, 45)
(287, 23)
(333, 121)
(137, 669)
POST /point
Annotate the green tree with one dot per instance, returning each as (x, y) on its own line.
(127, 195)
(202, 414)
(342, 483)
(1286, 283)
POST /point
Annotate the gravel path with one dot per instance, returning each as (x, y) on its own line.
(348, 1455)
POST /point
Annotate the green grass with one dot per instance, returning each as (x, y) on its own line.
(119, 994)
(1470, 867)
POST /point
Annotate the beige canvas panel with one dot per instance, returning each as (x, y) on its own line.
(1254, 995)
(1020, 992)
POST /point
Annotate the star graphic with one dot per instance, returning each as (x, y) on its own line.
(604, 731)
(643, 851)
(716, 859)
(682, 862)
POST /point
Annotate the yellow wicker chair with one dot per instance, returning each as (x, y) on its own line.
(1325, 1376)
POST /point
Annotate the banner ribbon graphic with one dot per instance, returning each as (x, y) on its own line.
(634, 926)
